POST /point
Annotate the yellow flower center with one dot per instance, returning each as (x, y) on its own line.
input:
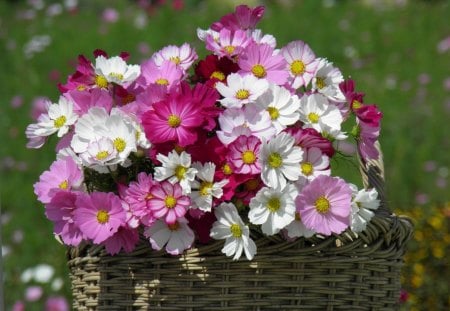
(251, 184)
(101, 155)
(229, 49)
(236, 230)
(320, 82)
(59, 121)
(248, 157)
(174, 227)
(307, 168)
(242, 94)
(64, 185)
(259, 71)
(297, 216)
(356, 104)
(226, 169)
(273, 204)
(273, 112)
(205, 188)
(217, 75)
(162, 81)
(297, 67)
(175, 59)
(81, 87)
(275, 160)
(101, 82)
(322, 205)
(313, 117)
(116, 75)
(180, 171)
(170, 201)
(119, 144)
(174, 121)
(102, 216)
(149, 196)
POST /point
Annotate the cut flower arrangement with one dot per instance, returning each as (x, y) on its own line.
(182, 150)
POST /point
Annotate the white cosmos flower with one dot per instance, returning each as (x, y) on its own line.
(87, 129)
(176, 168)
(259, 37)
(229, 226)
(99, 154)
(327, 79)
(58, 119)
(273, 209)
(249, 121)
(116, 70)
(314, 163)
(297, 229)
(183, 56)
(206, 188)
(141, 139)
(176, 237)
(240, 90)
(364, 202)
(318, 113)
(202, 34)
(282, 106)
(280, 160)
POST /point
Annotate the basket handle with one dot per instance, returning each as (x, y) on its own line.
(372, 173)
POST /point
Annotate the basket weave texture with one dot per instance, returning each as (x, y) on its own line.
(341, 272)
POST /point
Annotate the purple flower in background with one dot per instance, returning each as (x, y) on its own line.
(56, 303)
(17, 101)
(33, 293)
(110, 15)
(18, 306)
(444, 45)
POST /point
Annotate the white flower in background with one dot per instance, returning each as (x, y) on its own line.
(176, 168)
(326, 81)
(281, 105)
(229, 226)
(364, 202)
(176, 237)
(57, 284)
(206, 189)
(116, 70)
(273, 209)
(279, 161)
(240, 90)
(36, 44)
(317, 112)
(41, 273)
(298, 229)
(314, 163)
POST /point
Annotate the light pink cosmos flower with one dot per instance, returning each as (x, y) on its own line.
(56, 303)
(168, 202)
(314, 163)
(325, 204)
(244, 154)
(183, 56)
(33, 293)
(177, 237)
(260, 61)
(166, 74)
(64, 174)
(99, 215)
(367, 136)
(227, 44)
(301, 63)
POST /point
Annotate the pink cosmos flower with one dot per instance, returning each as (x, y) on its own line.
(64, 174)
(260, 61)
(33, 293)
(244, 153)
(167, 74)
(61, 210)
(174, 119)
(243, 18)
(325, 204)
(99, 215)
(366, 136)
(229, 44)
(137, 195)
(56, 303)
(18, 306)
(309, 137)
(168, 201)
(110, 15)
(314, 163)
(84, 100)
(125, 238)
(301, 63)
(39, 106)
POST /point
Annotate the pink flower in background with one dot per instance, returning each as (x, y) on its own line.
(56, 303)
(99, 215)
(110, 15)
(64, 175)
(444, 45)
(168, 202)
(325, 204)
(18, 306)
(17, 101)
(33, 293)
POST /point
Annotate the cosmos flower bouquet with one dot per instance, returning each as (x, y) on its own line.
(182, 150)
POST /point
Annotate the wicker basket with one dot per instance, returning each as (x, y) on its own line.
(343, 272)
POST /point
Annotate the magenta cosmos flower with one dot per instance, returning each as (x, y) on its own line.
(243, 18)
(260, 61)
(168, 202)
(325, 204)
(64, 174)
(175, 119)
(99, 215)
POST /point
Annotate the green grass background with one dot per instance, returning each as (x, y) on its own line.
(386, 48)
